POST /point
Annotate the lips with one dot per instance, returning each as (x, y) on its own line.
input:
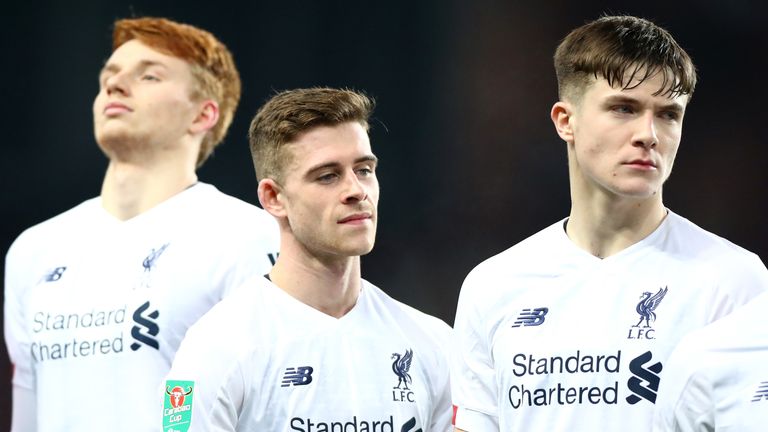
(642, 162)
(115, 108)
(357, 217)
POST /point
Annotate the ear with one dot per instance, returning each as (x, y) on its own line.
(562, 117)
(271, 198)
(207, 117)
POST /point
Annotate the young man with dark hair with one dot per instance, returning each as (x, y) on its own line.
(312, 346)
(569, 329)
(99, 297)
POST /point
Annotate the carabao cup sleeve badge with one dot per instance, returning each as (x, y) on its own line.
(177, 409)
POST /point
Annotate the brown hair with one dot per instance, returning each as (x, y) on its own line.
(625, 51)
(213, 68)
(290, 113)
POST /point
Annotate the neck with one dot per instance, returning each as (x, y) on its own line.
(604, 224)
(330, 285)
(130, 189)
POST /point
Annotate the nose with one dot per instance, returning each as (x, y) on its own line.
(116, 83)
(354, 191)
(646, 134)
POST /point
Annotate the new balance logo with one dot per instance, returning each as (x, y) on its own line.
(409, 426)
(650, 375)
(762, 392)
(299, 376)
(531, 317)
(150, 326)
(54, 274)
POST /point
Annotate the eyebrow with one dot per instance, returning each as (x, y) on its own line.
(143, 64)
(366, 158)
(672, 106)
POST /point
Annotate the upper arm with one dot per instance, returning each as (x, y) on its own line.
(202, 365)
(473, 377)
(17, 339)
(24, 417)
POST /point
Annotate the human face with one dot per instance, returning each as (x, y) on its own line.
(143, 102)
(624, 141)
(330, 191)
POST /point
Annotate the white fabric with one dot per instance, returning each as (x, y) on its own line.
(96, 308)
(590, 351)
(717, 378)
(239, 353)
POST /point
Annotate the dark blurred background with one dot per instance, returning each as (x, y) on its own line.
(470, 163)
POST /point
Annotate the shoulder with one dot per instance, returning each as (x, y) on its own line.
(539, 255)
(232, 216)
(702, 243)
(234, 315)
(410, 320)
(217, 203)
(54, 229)
(725, 262)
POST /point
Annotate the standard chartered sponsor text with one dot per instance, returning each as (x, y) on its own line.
(49, 346)
(561, 393)
(352, 425)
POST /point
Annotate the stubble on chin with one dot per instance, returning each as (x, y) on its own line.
(122, 145)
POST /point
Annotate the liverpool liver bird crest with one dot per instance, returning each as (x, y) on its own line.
(648, 303)
(400, 367)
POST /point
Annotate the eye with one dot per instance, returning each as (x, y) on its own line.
(327, 178)
(622, 109)
(670, 115)
(149, 77)
(365, 171)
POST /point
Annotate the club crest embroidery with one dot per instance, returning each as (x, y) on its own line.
(646, 308)
(149, 264)
(401, 366)
(177, 410)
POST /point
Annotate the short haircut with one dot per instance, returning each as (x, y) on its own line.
(289, 114)
(212, 66)
(625, 51)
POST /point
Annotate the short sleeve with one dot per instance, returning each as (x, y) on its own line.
(473, 378)
(18, 283)
(202, 367)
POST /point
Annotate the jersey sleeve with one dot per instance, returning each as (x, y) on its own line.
(203, 367)
(685, 399)
(24, 418)
(18, 283)
(442, 409)
(473, 378)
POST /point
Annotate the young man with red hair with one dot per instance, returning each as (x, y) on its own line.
(99, 297)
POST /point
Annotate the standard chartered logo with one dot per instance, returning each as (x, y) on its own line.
(74, 334)
(150, 327)
(600, 371)
(649, 375)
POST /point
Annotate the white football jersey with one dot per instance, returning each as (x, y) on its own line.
(95, 308)
(717, 378)
(261, 360)
(553, 338)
